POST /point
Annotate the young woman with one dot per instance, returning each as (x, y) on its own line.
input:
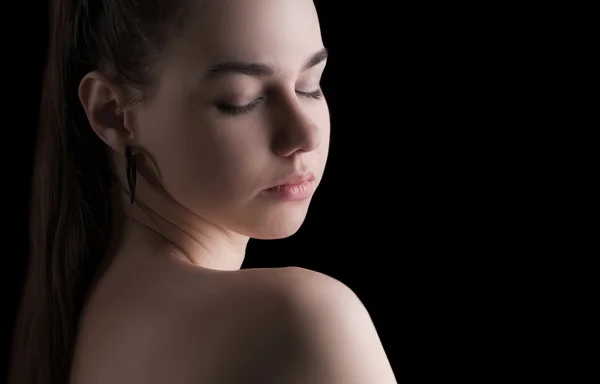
(172, 131)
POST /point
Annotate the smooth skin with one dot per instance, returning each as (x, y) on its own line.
(174, 306)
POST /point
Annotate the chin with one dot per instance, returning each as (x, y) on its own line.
(279, 226)
(275, 235)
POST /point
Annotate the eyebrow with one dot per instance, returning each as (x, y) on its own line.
(257, 69)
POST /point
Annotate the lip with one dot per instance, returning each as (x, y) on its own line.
(295, 179)
(294, 188)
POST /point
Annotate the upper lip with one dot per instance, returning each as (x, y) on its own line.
(296, 178)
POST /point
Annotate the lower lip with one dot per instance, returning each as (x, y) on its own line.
(292, 192)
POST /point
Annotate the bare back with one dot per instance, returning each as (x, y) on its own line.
(161, 322)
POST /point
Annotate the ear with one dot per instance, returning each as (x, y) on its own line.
(104, 104)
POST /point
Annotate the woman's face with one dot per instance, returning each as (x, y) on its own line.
(238, 110)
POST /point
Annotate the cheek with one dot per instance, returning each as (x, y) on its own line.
(322, 116)
(323, 120)
(217, 162)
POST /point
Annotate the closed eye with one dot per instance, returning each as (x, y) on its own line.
(237, 110)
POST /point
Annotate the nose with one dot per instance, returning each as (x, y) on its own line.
(297, 132)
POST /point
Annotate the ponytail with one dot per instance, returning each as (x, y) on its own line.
(69, 216)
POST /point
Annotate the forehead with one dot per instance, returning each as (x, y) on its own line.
(282, 33)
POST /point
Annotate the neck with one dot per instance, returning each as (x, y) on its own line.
(172, 230)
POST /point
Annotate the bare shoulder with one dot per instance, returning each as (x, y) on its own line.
(282, 325)
(315, 330)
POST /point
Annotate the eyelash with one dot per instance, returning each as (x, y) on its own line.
(234, 110)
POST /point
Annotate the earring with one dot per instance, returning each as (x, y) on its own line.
(131, 171)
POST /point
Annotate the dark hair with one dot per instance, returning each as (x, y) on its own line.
(70, 214)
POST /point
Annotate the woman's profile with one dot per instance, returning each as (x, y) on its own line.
(172, 132)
